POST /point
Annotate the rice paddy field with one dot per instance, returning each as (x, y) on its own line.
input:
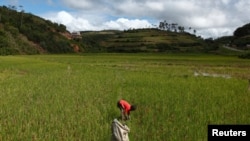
(73, 97)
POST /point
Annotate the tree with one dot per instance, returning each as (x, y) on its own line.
(12, 7)
(166, 25)
(194, 31)
(173, 27)
(21, 16)
(161, 25)
(181, 28)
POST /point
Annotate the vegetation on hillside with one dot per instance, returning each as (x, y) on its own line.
(145, 40)
(240, 40)
(25, 33)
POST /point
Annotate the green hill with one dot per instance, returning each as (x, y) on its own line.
(144, 40)
(239, 41)
(242, 37)
(24, 33)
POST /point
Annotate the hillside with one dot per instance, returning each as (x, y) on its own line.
(24, 33)
(239, 40)
(144, 40)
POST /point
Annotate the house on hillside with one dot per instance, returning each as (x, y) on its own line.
(76, 35)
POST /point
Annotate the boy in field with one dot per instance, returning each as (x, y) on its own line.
(125, 108)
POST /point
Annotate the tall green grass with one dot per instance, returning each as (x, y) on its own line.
(70, 97)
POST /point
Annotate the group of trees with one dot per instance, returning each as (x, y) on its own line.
(174, 27)
(242, 31)
(241, 38)
(20, 30)
(12, 14)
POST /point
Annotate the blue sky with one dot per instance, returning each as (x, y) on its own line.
(35, 6)
(210, 18)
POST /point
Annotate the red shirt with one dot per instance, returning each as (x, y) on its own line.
(125, 105)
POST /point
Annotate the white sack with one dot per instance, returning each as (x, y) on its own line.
(119, 131)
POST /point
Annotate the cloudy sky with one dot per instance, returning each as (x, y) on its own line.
(210, 18)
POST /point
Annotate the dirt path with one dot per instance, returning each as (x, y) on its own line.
(230, 48)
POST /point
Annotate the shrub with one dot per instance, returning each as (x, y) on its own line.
(245, 56)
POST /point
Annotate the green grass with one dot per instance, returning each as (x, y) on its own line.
(73, 97)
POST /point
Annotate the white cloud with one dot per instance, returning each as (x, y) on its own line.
(155, 6)
(214, 19)
(214, 32)
(226, 1)
(74, 23)
(210, 18)
(243, 5)
(123, 23)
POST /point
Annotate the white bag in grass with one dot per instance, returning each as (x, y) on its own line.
(119, 131)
